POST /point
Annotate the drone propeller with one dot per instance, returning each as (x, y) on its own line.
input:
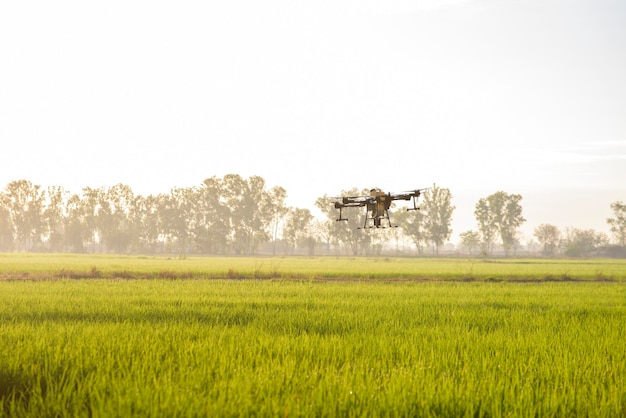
(414, 191)
(347, 197)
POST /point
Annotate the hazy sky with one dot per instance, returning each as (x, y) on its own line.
(524, 96)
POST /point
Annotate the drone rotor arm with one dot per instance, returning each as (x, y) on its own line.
(401, 196)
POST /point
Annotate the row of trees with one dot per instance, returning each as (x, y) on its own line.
(228, 215)
(236, 215)
(501, 214)
(574, 242)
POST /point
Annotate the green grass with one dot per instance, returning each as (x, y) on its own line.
(159, 347)
(37, 266)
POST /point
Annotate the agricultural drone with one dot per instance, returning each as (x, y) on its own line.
(377, 205)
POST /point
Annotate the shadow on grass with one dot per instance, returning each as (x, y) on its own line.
(14, 388)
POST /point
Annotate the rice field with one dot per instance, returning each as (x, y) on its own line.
(73, 266)
(203, 343)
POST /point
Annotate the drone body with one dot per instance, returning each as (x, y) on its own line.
(377, 205)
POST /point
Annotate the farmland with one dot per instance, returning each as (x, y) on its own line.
(120, 336)
(73, 266)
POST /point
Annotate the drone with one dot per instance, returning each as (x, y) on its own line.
(377, 205)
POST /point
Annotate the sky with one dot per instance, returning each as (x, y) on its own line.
(477, 96)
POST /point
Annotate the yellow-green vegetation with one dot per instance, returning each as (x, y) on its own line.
(301, 348)
(360, 347)
(73, 266)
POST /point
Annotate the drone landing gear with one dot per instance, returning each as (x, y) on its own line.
(376, 221)
(377, 227)
(341, 218)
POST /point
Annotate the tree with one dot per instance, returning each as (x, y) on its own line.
(177, 218)
(486, 227)
(412, 224)
(321, 232)
(53, 217)
(499, 213)
(87, 211)
(378, 238)
(75, 230)
(438, 208)
(549, 237)
(238, 200)
(470, 240)
(618, 223)
(395, 235)
(145, 218)
(297, 227)
(212, 217)
(24, 202)
(114, 207)
(261, 213)
(276, 210)
(583, 242)
(248, 201)
(345, 232)
(6, 227)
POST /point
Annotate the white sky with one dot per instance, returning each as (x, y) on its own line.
(524, 96)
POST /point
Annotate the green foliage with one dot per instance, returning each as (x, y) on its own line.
(438, 207)
(297, 228)
(276, 348)
(6, 230)
(413, 226)
(236, 216)
(222, 216)
(583, 242)
(499, 213)
(549, 237)
(346, 234)
(618, 222)
(24, 201)
(470, 240)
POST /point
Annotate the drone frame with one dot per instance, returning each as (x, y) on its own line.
(377, 206)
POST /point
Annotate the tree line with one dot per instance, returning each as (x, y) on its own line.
(499, 216)
(234, 215)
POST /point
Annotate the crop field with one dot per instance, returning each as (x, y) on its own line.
(129, 336)
(72, 266)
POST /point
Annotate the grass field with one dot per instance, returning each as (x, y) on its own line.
(72, 266)
(494, 345)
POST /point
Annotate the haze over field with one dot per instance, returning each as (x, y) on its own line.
(475, 96)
